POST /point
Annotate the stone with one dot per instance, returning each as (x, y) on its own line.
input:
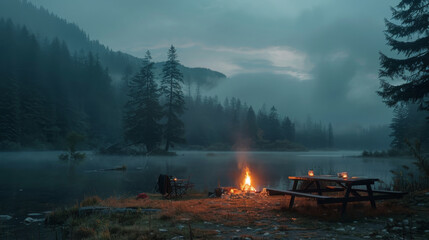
(406, 222)
(163, 230)
(180, 226)
(366, 237)
(396, 228)
(378, 236)
(266, 233)
(5, 217)
(33, 220)
(34, 214)
(177, 238)
(341, 229)
(390, 220)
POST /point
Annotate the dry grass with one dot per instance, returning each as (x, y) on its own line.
(199, 217)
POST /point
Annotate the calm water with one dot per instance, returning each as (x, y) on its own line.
(37, 181)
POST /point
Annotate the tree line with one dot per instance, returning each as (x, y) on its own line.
(46, 92)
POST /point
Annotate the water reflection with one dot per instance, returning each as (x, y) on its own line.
(31, 182)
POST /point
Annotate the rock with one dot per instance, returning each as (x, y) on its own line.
(180, 226)
(33, 220)
(177, 238)
(340, 229)
(426, 231)
(163, 230)
(266, 233)
(390, 220)
(352, 228)
(396, 228)
(249, 228)
(420, 204)
(378, 236)
(366, 237)
(34, 214)
(427, 194)
(406, 222)
(5, 217)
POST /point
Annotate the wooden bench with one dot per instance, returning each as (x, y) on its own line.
(320, 198)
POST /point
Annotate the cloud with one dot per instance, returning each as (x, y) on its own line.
(270, 45)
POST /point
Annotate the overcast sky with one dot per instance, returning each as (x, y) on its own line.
(314, 58)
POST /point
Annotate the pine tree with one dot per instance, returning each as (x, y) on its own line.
(273, 132)
(288, 129)
(143, 108)
(399, 127)
(409, 38)
(330, 136)
(171, 87)
(250, 126)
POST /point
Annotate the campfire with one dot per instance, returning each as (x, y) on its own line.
(246, 188)
(247, 183)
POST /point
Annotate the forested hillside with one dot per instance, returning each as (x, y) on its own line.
(47, 26)
(47, 93)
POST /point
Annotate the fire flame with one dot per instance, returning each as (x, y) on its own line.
(247, 185)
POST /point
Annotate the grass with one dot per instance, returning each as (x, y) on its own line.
(198, 217)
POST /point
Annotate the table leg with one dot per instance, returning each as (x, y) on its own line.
(346, 199)
(292, 198)
(370, 195)
(318, 188)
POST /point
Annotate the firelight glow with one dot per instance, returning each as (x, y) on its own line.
(247, 185)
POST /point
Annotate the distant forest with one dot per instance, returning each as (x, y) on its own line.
(55, 80)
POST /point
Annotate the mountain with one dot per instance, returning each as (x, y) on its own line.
(47, 26)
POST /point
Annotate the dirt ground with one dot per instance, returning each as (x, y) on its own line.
(245, 217)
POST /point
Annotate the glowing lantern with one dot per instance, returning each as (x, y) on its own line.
(310, 173)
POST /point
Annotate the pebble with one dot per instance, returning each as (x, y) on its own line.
(341, 229)
(353, 228)
(34, 214)
(177, 238)
(249, 228)
(180, 226)
(426, 231)
(163, 230)
(208, 223)
(5, 217)
(427, 194)
(33, 220)
(405, 221)
(420, 204)
(366, 237)
(266, 234)
(378, 236)
(396, 228)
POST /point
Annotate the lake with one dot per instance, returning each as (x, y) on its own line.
(34, 182)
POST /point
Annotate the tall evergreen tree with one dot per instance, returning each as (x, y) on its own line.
(288, 129)
(143, 109)
(273, 128)
(409, 38)
(399, 127)
(250, 126)
(330, 136)
(171, 87)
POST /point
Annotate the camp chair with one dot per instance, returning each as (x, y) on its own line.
(172, 187)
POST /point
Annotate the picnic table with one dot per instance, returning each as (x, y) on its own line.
(328, 183)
